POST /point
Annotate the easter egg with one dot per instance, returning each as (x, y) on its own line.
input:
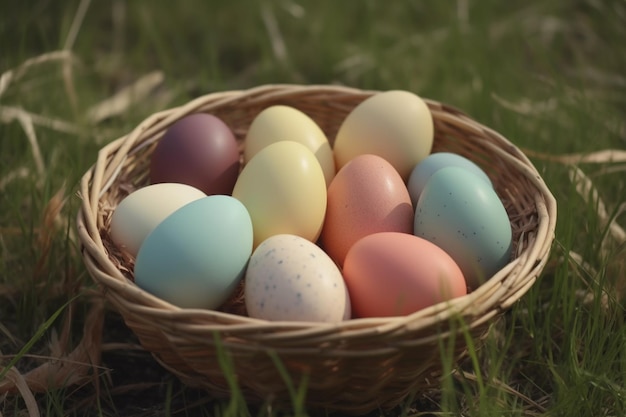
(284, 190)
(142, 210)
(461, 213)
(290, 278)
(366, 196)
(198, 254)
(396, 274)
(277, 123)
(199, 150)
(395, 125)
(434, 162)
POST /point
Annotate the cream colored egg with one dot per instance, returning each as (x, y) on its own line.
(142, 210)
(279, 123)
(396, 125)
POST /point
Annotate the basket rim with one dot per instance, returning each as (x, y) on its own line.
(499, 292)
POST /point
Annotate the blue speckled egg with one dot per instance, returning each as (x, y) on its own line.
(198, 254)
(290, 278)
(462, 214)
(422, 172)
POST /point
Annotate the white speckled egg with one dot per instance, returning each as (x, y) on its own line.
(290, 278)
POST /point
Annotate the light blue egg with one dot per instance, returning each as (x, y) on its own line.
(422, 172)
(462, 214)
(198, 254)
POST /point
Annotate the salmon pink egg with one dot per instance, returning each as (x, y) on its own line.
(396, 274)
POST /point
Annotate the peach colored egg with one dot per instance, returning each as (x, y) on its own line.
(366, 196)
(395, 274)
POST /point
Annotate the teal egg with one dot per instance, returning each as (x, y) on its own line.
(462, 214)
(198, 254)
(422, 172)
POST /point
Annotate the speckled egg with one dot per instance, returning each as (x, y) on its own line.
(291, 279)
(433, 163)
(462, 214)
(366, 196)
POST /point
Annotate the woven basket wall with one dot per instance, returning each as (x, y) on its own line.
(355, 366)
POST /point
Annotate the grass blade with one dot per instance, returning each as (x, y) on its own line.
(297, 395)
(237, 405)
(38, 334)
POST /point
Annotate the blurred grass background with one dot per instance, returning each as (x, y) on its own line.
(548, 75)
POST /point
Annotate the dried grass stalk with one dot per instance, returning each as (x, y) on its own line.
(14, 377)
(15, 74)
(606, 156)
(125, 98)
(27, 124)
(586, 189)
(74, 368)
(8, 113)
(21, 172)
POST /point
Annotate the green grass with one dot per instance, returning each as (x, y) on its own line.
(548, 75)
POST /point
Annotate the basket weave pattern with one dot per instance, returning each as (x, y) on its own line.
(355, 366)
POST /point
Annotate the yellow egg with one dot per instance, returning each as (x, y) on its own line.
(278, 123)
(284, 190)
(396, 125)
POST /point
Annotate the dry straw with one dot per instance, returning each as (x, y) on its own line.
(358, 365)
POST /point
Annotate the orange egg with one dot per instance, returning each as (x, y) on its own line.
(395, 274)
(366, 196)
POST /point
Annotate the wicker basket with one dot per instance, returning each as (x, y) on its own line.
(355, 366)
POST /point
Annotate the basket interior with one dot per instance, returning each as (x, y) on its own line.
(468, 139)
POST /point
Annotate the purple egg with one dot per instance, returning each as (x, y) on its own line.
(198, 150)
